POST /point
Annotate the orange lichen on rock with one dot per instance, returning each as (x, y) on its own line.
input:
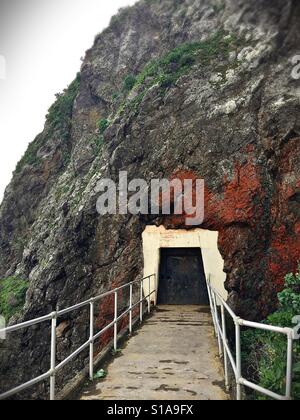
(241, 199)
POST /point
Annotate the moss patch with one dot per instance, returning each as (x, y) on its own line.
(12, 296)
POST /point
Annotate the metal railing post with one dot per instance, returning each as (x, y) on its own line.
(53, 356)
(289, 370)
(116, 323)
(217, 323)
(149, 298)
(238, 360)
(156, 288)
(91, 370)
(211, 305)
(130, 306)
(224, 347)
(141, 302)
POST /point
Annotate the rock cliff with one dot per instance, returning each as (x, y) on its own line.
(197, 87)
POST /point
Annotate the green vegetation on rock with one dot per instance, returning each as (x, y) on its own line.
(103, 125)
(219, 7)
(129, 83)
(61, 111)
(98, 142)
(58, 118)
(265, 353)
(122, 14)
(166, 71)
(12, 296)
(30, 156)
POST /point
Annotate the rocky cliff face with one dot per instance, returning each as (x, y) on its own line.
(199, 87)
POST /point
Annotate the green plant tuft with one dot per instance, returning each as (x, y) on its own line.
(30, 157)
(98, 142)
(103, 125)
(219, 7)
(101, 374)
(12, 296)
(61, 111)
(129, 83)
(265, 353)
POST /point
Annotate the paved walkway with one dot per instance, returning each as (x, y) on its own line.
(173, 356)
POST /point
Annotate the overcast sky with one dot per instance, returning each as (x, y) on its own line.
(42, 42)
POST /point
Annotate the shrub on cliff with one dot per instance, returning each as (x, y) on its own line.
(61, 111)
(129, 83)
(103, 125)
(12, 296)
(265, 353)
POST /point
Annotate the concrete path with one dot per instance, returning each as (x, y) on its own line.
(173, 356)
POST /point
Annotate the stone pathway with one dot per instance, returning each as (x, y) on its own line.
(172, 357)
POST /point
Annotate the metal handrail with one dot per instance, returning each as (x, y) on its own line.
(215, 300)
(54, 369)
(225, 352)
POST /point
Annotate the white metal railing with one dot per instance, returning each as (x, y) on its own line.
(218, 308)
(54, 316)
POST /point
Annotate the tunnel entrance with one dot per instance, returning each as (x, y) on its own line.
(171, 252)
(182, 277)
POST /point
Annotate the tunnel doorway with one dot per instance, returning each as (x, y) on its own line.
(182, 277)
(157, 239)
